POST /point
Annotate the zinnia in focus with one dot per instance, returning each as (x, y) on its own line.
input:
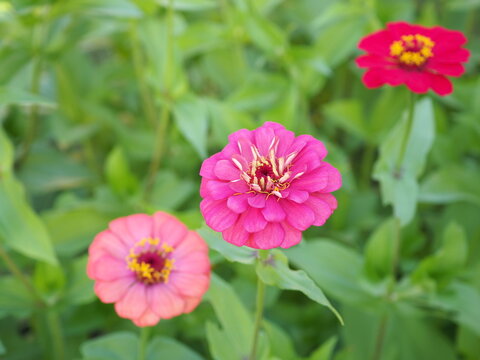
(267, 186)
(151, 267)
(417, 56)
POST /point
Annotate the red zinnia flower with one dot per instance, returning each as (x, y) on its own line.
(267, 186)
(416, 56)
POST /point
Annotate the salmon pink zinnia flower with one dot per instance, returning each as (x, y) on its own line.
(267, 186)
(417, 56)
(151, 267)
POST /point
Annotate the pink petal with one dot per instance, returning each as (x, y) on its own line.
(272, 211)
(238, 203)
(134, 303)
(107, 243)
(191, 304)
(370, 61)
(164, 301)
(334, 178)
(217, 215)
(292, 236)
(148, 318)
(377, 43)
(218, 190)
(450, 69)
(321, 209)
(263, 138)
(192, 243)
(286, 139)
(236, 235)
(271, 237)
(253, 220)
(239, 186)
(299, 196)
(188, 284)
(108, 268)
(300, 216)
(112, 291)
(208, 166)
(168, 229)
(311, 181)
(226, 170)
(140, 226)
(195, 263)
(440, 84)
(328, 198)
(119, 228)
(257, 201)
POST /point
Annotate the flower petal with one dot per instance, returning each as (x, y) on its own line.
(217, 215)
(300, 216)
(270, 237)
(226, 170)
(272, 211)
(148, 318)
(164, 301)
(258, 201)
(134, 303)
(112, 291)
(236, 235)
(292, 236)
(238, 203)
(168, 229)
(253, 220)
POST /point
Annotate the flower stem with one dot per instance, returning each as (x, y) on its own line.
(142, 346)
(382, 328)
(162, 127)
(408, 130)
(55, 328)
(263, 255)
(15, 270)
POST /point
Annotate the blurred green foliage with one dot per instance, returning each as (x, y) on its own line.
(88, 87)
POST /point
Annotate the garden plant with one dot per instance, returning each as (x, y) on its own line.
(240, 180)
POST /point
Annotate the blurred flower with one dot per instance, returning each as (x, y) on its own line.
(267, 186)
(151, 267)
(416, 56)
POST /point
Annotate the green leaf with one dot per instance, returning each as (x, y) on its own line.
(281, 344)
(73, 229)
(2, 348)
(50, 281)
(191, 117)
(236, 322)
(461, 300)
(14, 297)
(12, 96)
(170, 191)
(79, 288)
(265, 34)
(450, 184)
(189, 5)
(167, 348)
(447, 261)
(334, 267)
(20, 227)
(399, 186)
(274, 271)
(325, 351)
(380, 250)
(118, 173)
(116, 346)
(231, 252)
(348, 114)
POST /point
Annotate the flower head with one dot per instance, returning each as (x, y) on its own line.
(417, 56)
(267, 186)
(151, 267)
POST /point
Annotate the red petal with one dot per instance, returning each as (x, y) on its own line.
(377, 43)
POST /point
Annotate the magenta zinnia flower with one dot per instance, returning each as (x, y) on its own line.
(151, 267)
(267, 186)
(414, 55)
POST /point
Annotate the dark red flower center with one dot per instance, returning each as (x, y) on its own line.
(150, 261)
(412, 50)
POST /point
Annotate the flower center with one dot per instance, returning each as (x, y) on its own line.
(268, 174)
(412, 50)
(150, 261)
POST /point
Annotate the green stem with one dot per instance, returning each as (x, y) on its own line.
(408, 130)
(142, 346)
(139, 67)
(15, 270)
(162, 127)
(367, 163)
(263, 255)
(380, 339)
(55, 329)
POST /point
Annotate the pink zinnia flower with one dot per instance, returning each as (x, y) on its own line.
(267, 186)
(416, 56)
(151, 267)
